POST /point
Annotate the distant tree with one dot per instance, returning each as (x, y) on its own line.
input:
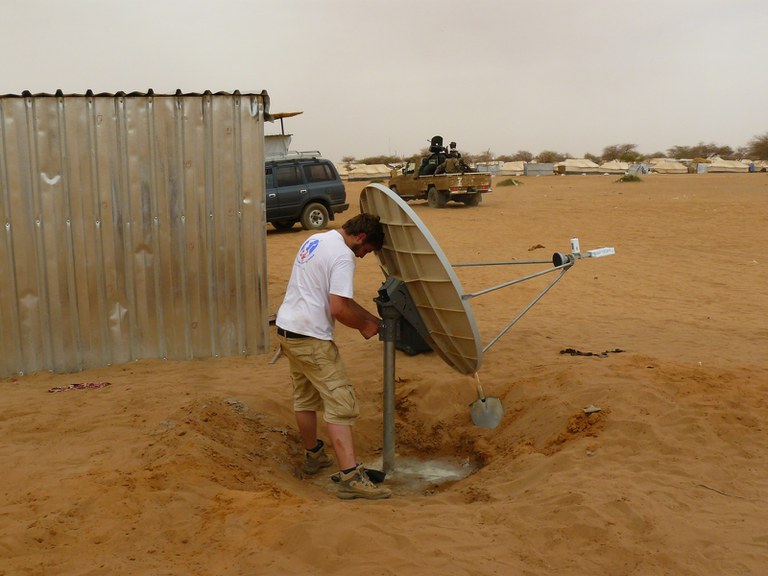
(485, 156)
(681, 152)
(384, 159)
(742, 152)
(348, 159)
(726, 152)
(657, 155)
(622, 152)
(701, 150)
(758, 147)
(550, 156)
(595, 159)
(523, 155)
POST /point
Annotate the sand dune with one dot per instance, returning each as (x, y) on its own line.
(193, 468)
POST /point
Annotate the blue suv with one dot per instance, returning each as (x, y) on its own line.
(303, 187)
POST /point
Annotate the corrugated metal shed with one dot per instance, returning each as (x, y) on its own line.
(132, 227)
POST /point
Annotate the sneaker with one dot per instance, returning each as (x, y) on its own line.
(316, 461)
(356, 484)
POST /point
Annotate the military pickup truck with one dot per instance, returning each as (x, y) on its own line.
(438, 189)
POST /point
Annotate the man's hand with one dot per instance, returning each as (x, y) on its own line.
(370, 329)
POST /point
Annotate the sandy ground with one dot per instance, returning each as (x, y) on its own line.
(192, 468)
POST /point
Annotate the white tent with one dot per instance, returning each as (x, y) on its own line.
(577, 166)
(719, 165)
(368, 172)
(667, 166)
(512, 168)
(614, 167)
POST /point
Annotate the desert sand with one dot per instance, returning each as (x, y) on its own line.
(193, 468)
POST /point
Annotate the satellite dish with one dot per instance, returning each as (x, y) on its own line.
(422, 288)
(411, 254)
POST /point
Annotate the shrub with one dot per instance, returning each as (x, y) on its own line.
(509, 182)
(629, 178)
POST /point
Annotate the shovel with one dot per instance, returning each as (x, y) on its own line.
(486, 411)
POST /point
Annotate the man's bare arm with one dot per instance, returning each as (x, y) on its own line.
(351, 314)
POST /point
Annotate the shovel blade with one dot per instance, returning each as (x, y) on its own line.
(486, 412)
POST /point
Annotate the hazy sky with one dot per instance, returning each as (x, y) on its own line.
(383, 77)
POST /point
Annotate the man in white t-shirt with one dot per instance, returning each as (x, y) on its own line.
(321, 291)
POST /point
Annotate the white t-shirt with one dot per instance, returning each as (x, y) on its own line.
(324, 265)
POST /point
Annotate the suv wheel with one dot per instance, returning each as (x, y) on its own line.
(283, 224)
(314, 216)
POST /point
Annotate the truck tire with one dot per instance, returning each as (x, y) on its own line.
(283, 224)
(314, 216)
(473, 199)
(436, 198)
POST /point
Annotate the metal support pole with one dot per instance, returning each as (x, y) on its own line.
(388, 450)
(388, 333)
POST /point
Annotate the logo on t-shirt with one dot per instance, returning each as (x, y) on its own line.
(307, 251)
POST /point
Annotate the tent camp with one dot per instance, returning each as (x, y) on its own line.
(639, 168)
(492, 167)
(367, 172)
(614, 167)
(577, 166)
(667, 166)
(538, 169)
(512, 168)
(719, 165)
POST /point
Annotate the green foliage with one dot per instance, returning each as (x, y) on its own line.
(520, 155)
(758, 147)
(549, 156)
(509, 182)
(595, 159)
(701, 150)
(622, 152)
(381, 160)
(629, 178)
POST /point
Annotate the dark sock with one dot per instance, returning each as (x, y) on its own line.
(317, 448)
(348, 470)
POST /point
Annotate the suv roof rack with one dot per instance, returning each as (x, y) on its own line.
(292, 154)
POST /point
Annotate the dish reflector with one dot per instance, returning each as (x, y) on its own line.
(411, 254)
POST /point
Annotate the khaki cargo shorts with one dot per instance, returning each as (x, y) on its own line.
(320, 381)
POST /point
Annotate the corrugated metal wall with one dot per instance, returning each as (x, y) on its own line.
(132, 227)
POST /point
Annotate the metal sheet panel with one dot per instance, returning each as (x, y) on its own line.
(133, 227)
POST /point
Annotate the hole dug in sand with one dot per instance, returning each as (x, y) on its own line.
(414, 476)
